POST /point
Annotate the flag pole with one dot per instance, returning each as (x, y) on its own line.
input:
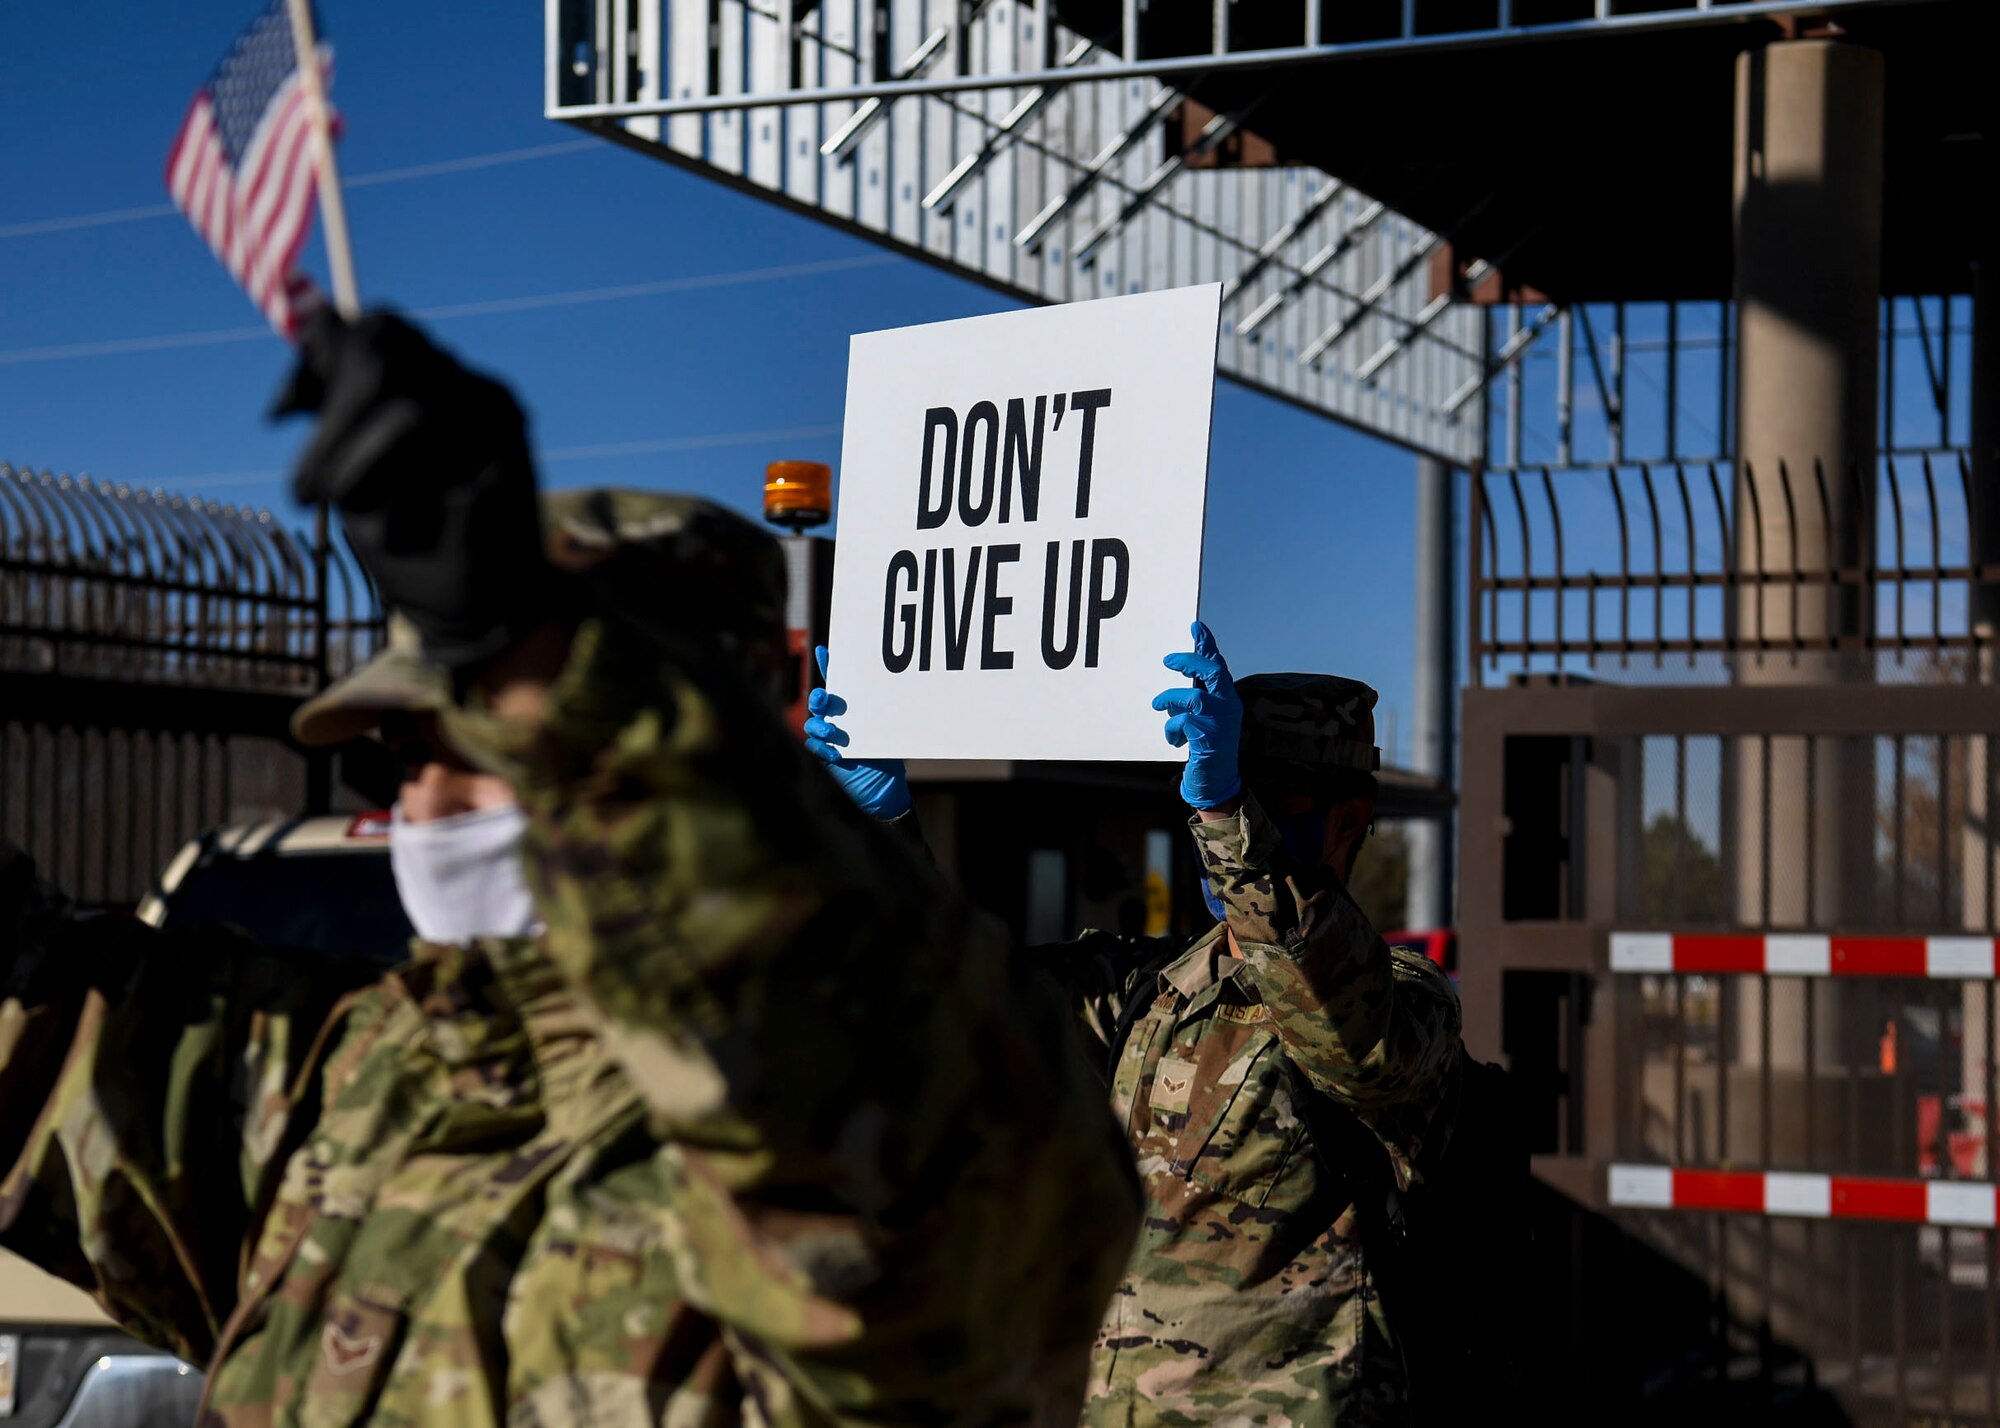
(332, 213)
(347, 302)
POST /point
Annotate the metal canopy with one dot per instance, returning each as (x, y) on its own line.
(1594, 137)
(1545, 132)
(980, 137)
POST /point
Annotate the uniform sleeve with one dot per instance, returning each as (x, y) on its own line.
(1376, 1030)
(894, 1176)
(145, 1102)
(907, 826)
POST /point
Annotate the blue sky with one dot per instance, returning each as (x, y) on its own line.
(662, 330)
(1309, 527)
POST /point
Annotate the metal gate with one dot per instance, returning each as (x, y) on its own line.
(1728, 906)
(152, 649)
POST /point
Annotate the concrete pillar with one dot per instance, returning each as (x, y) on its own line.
(1808, 282)
(1808, 212)
(1434, 690)
(1808, 190)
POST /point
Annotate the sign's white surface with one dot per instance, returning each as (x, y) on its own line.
(1019, 528)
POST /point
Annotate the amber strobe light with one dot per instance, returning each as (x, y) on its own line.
(798, 494)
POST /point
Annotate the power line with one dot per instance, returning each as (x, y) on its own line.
(119, 345)
(106, 218)
(102, 219)
(778, 273)
(575, 297)
(687, 443)
(1683, 412)
(654, 446)
(471, 162)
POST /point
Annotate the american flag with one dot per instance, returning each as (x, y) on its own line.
(242, 167)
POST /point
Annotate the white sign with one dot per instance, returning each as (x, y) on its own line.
(1019, 538)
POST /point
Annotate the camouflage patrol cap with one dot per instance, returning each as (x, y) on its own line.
(679, 555)
(397, 678)
(1303, 731)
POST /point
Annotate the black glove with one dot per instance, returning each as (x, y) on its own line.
(428, 465)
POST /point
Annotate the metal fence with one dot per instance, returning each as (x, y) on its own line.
(152, 648)
(1759, 829)
(1818, 1151)
(1619, 383)
(1612, 567)
(113, 582)
(1796, 1320)
(1729, 909)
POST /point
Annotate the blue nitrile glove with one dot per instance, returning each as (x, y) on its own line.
(879, 787)
(1207, 718)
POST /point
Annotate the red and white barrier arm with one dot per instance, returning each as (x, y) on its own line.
(1788, 954)
(1813, 1197)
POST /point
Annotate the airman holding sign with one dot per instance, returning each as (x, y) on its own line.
(1020, 526)
(1286, 1080)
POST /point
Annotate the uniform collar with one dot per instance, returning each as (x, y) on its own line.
(486, 1001)
(1200, 967)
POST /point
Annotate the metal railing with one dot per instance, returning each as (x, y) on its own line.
(1598, 567)
(1208, 40)
(152, 649)
(1870, 1076)
(1768, 1159)
(1856, 1113)
(1800, 1320)
(1903, 815)
(1618, 383)
(110, 582)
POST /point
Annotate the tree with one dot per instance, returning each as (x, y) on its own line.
(1380, 877)
(1683, 877)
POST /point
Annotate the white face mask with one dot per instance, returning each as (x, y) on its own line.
(460, 877)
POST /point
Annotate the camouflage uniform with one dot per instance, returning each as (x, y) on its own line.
(1249, 1298)
(766, 1127)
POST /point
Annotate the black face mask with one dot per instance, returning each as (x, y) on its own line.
(1304, 836)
